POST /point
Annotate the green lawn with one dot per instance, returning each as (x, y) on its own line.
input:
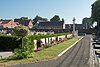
(53, 51)
(44, 54)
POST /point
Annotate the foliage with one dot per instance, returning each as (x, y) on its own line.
(22, 18)
(96, 12)
(20, 54)
(9, 42)
(1, 19)
(87, 21)
(62, 19)
(37, 18)
(27, 46)
(25, 51)
(55, 18)
(21, 31)
(45, 54)
(38, 37)
(2, 34)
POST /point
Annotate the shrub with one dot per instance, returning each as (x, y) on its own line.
(25, 51)
(21, 54)
(27, 44)
(9, 42)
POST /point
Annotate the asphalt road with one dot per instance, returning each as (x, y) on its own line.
(77, 56)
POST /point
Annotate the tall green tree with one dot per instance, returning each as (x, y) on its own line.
(55, 18)
(22, 18)
(96, 12)
(87, 21)
(37, 18)
(26, 48)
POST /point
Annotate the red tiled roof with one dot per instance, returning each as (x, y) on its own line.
(5, 21)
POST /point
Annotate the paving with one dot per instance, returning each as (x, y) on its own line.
(5, 54)
(77, 56)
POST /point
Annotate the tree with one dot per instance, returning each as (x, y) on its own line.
(44, 19)
(37, 18)
(55, 18)
(96, 12)
(87, 21)
(26, 48)
(62, 19)
(1, 19)
(22, 18)
(21, 31)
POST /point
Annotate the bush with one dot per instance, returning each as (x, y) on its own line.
(25, 51)
(27, 46)
(9, 42)
(21, 54)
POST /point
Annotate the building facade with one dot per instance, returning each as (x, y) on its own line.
(27, 23)
(7, 24)
(51, 25)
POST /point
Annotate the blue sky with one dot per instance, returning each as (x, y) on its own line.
(67, 9)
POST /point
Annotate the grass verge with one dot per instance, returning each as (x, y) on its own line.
(53, 51)
(44, 54)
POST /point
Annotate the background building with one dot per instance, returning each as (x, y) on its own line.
(51, 25)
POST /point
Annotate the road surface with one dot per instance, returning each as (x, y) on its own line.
(77, 56)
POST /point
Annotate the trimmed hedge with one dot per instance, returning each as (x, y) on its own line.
(9, 42)
(38, 37)
(12, 42)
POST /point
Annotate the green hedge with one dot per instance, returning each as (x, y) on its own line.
(27, 46)
(38, 37)
(9, 42)
(12, 42)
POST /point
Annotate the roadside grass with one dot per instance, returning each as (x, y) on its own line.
(7, 63)
(53, 51)
(44, 54)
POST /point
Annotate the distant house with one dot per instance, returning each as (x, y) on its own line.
(27, 23)
(51, 25)
(7, 24)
